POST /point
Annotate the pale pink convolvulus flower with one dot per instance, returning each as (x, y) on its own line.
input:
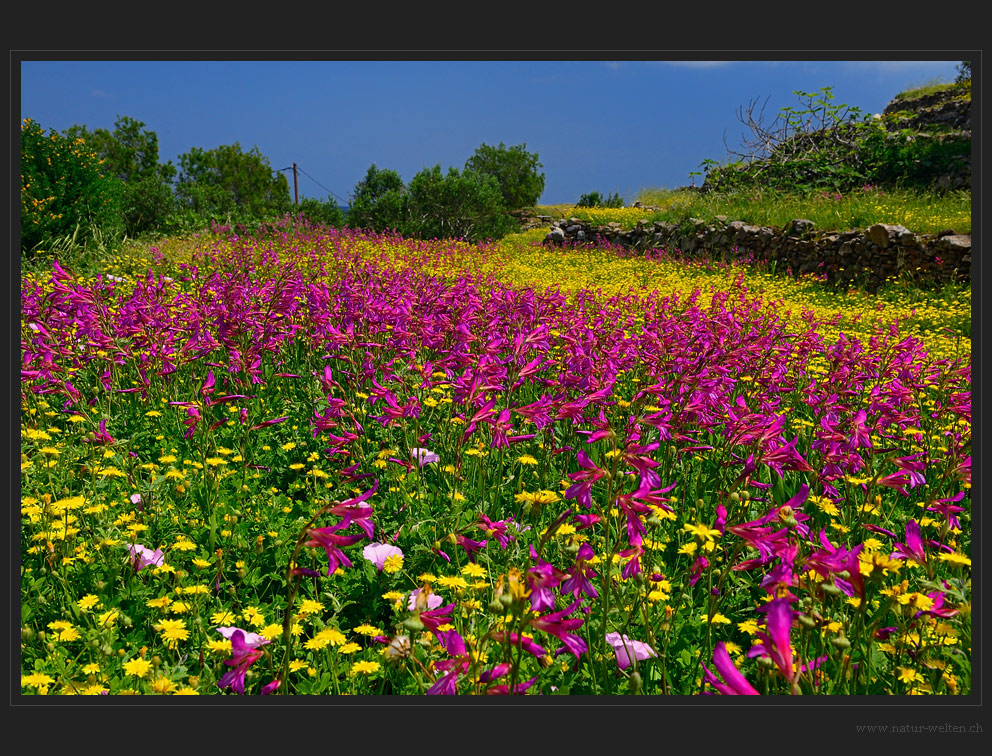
(424, 456)
(251, 640)
(433, 600)
(142, 556)
(378, 553)
(627, 649)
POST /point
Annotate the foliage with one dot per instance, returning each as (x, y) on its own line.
(517, 172)
(229, 183)
(378, 202)
(823, 146)
(964, 72)
(327, 212)
(63, 187)
(465, 205)
(130, 152)
(594, 199)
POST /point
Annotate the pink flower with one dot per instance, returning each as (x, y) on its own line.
(251, 640)
(627, 649)
(424, 456)
(378, 553)
(142, 557)
(433, 600)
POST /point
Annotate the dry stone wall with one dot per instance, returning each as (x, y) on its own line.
(868, 258)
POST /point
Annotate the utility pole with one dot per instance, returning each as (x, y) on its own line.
(296, 192)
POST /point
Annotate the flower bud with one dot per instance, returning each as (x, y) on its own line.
(735, 497)
(766, 661)
(830, 589)
(807, 621)
(413, 623)
(41, 636)
(840, 642)
(635, 682)
(26, 633)
(156, 661)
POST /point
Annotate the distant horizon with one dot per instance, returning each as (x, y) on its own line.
(606, 126)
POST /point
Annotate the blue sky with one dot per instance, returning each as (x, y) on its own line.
(607, 126)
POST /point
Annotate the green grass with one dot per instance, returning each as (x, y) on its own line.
(923, 213)
(931, 87)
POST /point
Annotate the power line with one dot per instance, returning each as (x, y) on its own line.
(319, 184)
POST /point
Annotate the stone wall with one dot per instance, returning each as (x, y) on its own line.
(867, 257)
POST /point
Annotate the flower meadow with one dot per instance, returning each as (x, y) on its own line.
(320, 462)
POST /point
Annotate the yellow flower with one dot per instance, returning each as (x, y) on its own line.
(172, 631)
(137, 667)
(272, 631)
(309, 606)
(36, 680)
(87, 602)
(366, 629)
(364, 668)
(474, 570)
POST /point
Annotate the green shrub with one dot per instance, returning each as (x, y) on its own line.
(465, 205)
(378, 202)
(594, 199)
(226, 183)
(326, 212)
(63, 186)
(517, 172)
(130, 153)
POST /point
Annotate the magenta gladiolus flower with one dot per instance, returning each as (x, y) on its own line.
(541, 578)
(735, 684)
(378, 553)
(331, 542)
(627, 650)
(912, 547)
(142, 557)
(776, 642)
(243, 655)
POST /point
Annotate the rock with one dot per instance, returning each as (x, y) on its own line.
(883, 234)
(798, 227)
(555, 236)
(955, 243)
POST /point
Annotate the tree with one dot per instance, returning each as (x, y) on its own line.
(465, 205)
(964, 72)
(378, 202)
(595, 199)
(130, 153)
(227, 181)
(63, 187)
(517, 172)
(326, 211)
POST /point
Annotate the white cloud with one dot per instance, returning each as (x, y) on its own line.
(898, 66)
(698, 63)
